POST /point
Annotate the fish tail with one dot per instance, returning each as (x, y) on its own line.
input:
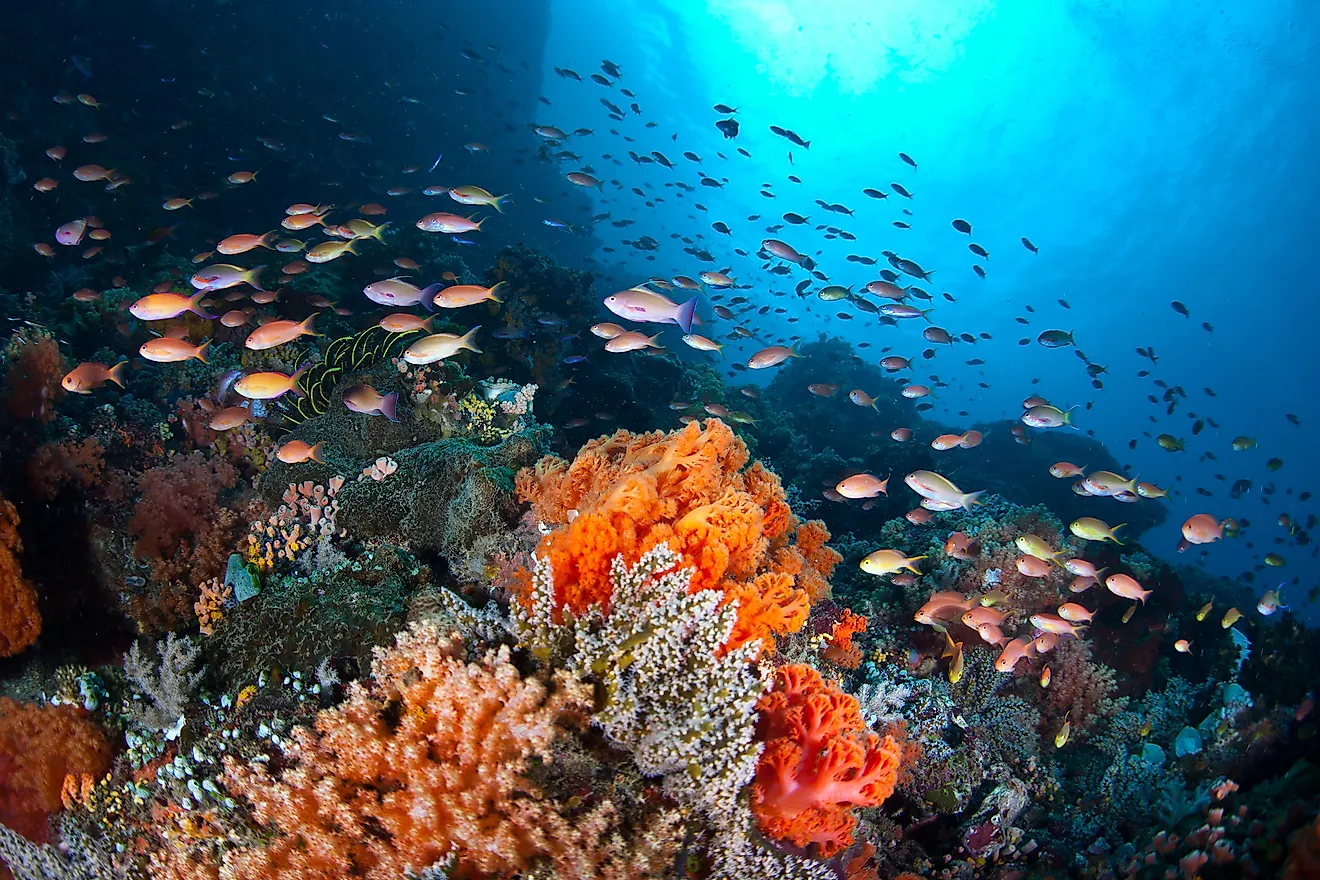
(379, 231)
(970, 499)
(925, 313)
(1114, 529)
(267, 239)
(426, 325)
(296, 378)
(195, 304)
(306, 325)
(685, 314)
(316, 454)
(253, 276)
(466, 340)
(498, 202)
(116, 373)
(477, 225)
(202, 351)
(428, 295)
(389, 406)
(497, 286)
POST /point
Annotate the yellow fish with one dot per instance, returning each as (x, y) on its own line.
(883, 562)
(1231, 616)
(1205, 610)
(1061, 738)
(954, 650)
(1093, 529)
(1045, 677)
(1035, 546)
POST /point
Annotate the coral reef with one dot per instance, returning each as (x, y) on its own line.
(34, 367)
(628, 493)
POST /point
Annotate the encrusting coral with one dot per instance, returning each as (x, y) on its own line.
(692, 490)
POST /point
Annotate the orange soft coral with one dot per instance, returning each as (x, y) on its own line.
(20, 621)
(423, 762)
(39, 746)
(841, 650)
(820, 761)
(690, 489)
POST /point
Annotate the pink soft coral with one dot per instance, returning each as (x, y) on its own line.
(693, 490)
(820, 761)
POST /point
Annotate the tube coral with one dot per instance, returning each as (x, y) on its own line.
(692, 490)
(20, 621)
(820, 760)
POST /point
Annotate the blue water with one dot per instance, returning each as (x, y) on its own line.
(1151, 151)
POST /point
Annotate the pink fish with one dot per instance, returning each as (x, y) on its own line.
(71, 233)
(649, 307)
(399, 293)
(1125, 587)
(450, 224)
(369, 402)
(1012, 653)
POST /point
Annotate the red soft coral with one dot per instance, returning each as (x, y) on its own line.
(820, 761)
(20, 621)
(32, 380)
(692, 490)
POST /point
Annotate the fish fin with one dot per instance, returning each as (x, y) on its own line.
(202, 351)
(379, 232)
(267, 239)
(497, 286)
(307, 325)
(316, 454)
(466, 340)
(428, 295)
(970, 499)
(685, 314)
(498, 202)
(116, 373)
(389, 406)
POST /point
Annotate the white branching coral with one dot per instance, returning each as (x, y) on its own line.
(686, 712)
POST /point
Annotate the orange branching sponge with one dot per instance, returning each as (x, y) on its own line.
(39, 747)
(841, 650)
(693, 490)
(423, 762)
(20, 621)
(820, 761)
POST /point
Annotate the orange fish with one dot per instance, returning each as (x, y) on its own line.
(46, 184)
(1125, 587)
(460, 295)
(1012, 653)
(228, 418)
(268, 386)
(167, 350)
(87, 295)
(244, 242)
(234, 318)
(402, 322)
(862, 486)
(279, 332)
(1065, 469)
(176, 204)
(298, 451)
(241, 177)
(87, 377)
(161, 306)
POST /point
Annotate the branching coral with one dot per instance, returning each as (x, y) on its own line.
(682, 709)
(820, 761)
(426, 760)
(20, 621)
(841, 649)
(688, 489)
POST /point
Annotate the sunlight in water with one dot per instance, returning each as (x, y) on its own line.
(801, 44)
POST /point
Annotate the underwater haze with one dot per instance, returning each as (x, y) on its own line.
(686, 440)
